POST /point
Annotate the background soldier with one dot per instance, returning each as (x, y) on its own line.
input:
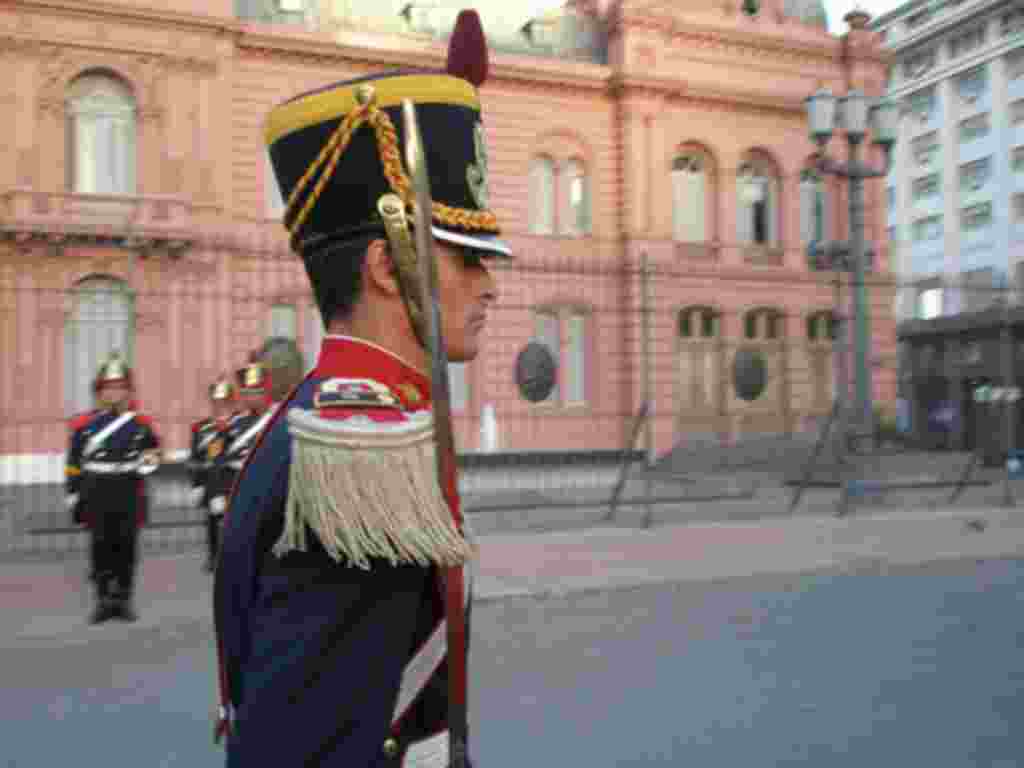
(241, 435)
(209, 439)
(338, 529)
(284, 365)
(112, 448)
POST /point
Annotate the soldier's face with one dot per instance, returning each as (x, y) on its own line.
(111, 395)
(222, 408)
(467, 291)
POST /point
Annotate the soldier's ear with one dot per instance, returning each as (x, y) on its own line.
(380, 271)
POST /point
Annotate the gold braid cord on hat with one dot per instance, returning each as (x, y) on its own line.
(391, 160)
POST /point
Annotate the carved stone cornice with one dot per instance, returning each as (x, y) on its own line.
(556, 74)
(671, 90)
(91, 9)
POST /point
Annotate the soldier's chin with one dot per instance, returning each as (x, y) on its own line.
(463, 353)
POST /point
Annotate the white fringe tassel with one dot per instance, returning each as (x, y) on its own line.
(369, 490)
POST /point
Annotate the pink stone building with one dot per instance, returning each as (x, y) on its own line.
(138, 213)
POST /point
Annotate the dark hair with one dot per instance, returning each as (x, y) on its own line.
(335, 271)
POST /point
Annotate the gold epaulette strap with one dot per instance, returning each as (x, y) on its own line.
(391, 159)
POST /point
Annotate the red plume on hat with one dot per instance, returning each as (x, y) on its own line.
(467, 50)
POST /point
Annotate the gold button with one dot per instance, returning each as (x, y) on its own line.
(390, 747)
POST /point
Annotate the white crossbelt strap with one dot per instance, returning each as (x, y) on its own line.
(96, 441)
(429, 753)
(421, 667)
(205, 441)
(246, 437)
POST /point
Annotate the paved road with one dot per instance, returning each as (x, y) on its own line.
(907, 666)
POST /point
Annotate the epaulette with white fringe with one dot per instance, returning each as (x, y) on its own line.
(368, 489)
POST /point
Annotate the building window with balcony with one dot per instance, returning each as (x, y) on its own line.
(976, 217)
(972, 85)
(574, 188)
(975, 127)
(922, 103)
(924, 148)
(973, 176)
(925, 187)
(919, 19)
(564, 331)
(542, 196)
(1017, 112)
(928, 228)
(689, 197)
(1017, 203)
(966, 42)
(1012, 22)
(918, 64)
(758, 191)
(101, 323)
(100, 136)
(1015, 65)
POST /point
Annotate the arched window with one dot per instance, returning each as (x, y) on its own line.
(574, 188)
(758, 204)
(762, 325)
(821, 327)
(813, 207)
(698, 323)
(100, 136)
(689, 198)
(542, 196)
(101, 323)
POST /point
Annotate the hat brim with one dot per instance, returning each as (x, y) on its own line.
(489, 244)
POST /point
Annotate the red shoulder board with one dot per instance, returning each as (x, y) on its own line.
(79, 421)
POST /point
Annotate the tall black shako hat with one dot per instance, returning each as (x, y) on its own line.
(335, 151)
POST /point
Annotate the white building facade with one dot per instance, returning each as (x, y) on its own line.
(955, 193)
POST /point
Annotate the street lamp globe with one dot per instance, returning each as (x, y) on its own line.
(854, 114)
(821, 116)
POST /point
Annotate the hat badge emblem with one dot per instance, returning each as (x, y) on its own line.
(476, 173)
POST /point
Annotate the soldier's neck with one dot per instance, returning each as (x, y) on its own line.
(394, 337)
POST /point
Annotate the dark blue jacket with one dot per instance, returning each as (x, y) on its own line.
(313, 649)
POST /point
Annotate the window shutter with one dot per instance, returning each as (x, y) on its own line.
(808, 194)
(576, 360)
(693, 206)
(547, 334)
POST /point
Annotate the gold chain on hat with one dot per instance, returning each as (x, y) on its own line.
(367, 111)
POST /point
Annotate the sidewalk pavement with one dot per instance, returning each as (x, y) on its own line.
(41, 601)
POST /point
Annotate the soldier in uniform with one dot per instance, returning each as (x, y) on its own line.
(328, 596)
(112, 448)
(283, 361)
(209, 438)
